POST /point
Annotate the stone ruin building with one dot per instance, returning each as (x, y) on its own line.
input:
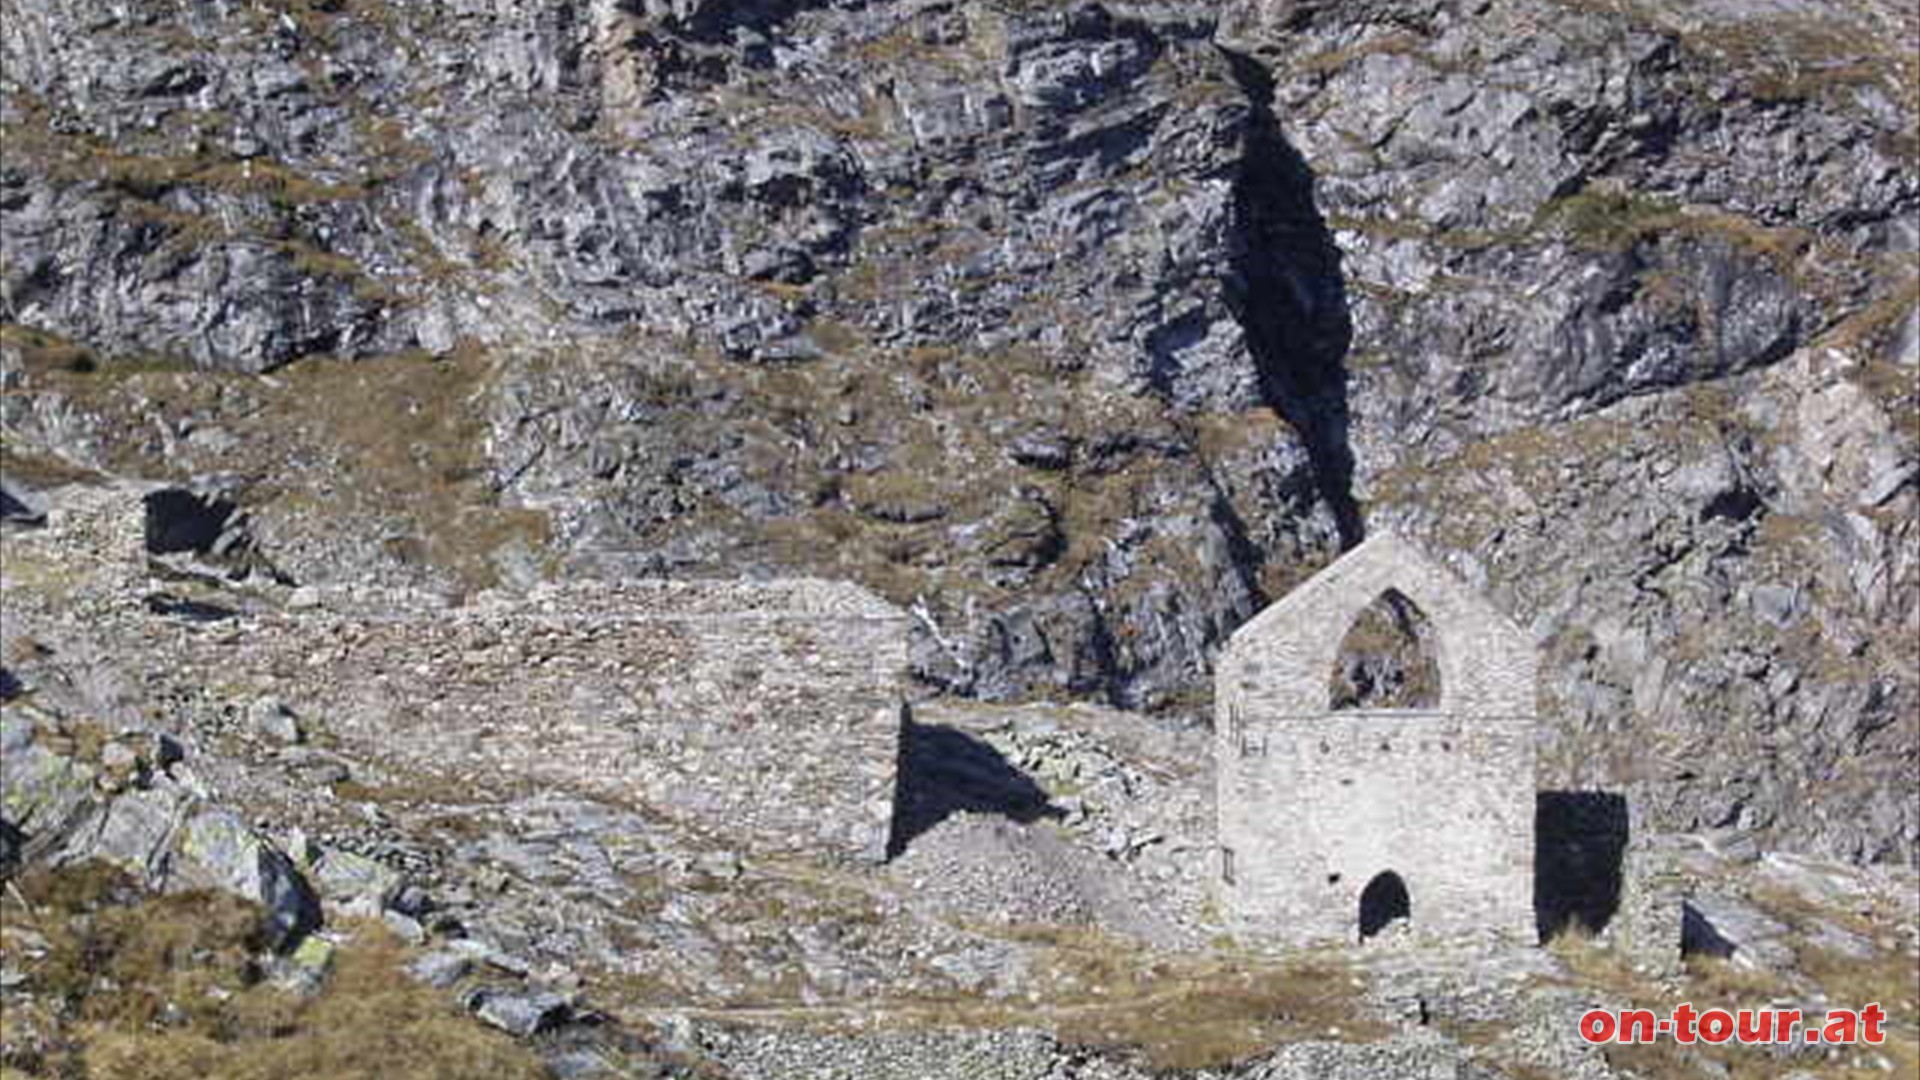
(770, 710)
(1335, 822)
(775, 710)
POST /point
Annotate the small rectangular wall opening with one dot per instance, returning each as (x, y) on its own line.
(1226, 865)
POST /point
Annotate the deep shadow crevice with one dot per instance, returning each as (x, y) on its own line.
(1289, 294)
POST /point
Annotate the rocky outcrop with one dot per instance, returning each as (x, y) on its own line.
(612, 938)
(1592, 344)
(75, 794)
(1066, 180)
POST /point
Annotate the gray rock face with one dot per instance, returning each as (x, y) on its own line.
(520, 1013)
(1021, 157)
(345, 877)
(1082, 331)
(68, 804)
(21, 505)
(1597, 355)
(273, 720)
(441, 969)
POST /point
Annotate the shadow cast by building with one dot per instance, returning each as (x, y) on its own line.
(944, 771)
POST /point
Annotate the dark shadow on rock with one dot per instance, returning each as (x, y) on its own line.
(1580, 839)
(13, 845)
(1290, 296)
(10, 685)
(290, 907)
(1699, 937)
(943, 771)
(21, 505)
(179, 520)
(179, 607)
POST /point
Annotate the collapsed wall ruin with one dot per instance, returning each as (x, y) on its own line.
(769, 710)
(773, 711)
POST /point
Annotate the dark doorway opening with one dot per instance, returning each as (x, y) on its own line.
(1382, 901)
(1580, 841)
(180, 520)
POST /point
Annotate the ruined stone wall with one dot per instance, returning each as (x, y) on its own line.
(1321, 807)
(770, 712)
(90, 550)
(1279, 663)
(1314, 804)
(1649, 928)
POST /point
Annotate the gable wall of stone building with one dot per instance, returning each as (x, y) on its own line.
(1313, 804)
(1317, 810)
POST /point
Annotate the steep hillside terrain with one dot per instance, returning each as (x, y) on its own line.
(1081, 330)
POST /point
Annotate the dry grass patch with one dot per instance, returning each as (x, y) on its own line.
(36, 352)
(1222, 435)
(1614, 220)
(1219, 1014)
(409, 429)
(1392, 43)
(1890, 979)
(137, 987)
(1711, 982)
(1592, 963)
(398, 439)
(38, 469)
(1176, 1011)
(1868, 335)
(87, 158)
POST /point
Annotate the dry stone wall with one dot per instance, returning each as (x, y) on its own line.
(779, 722)
(769, 711)
(1314, 805)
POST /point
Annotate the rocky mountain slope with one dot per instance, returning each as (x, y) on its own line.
(1044, 922)
(1080, 329)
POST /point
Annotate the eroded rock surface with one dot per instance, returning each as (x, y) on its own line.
(1082, 331)
(1079, 331)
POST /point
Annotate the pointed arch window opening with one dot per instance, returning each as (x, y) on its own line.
(1389, 659)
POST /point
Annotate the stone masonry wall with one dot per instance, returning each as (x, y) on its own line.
(769, 711)
(699, 700)
(1320, 808)
(1314, 804)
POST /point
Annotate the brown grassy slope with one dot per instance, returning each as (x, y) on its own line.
(133, 987)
